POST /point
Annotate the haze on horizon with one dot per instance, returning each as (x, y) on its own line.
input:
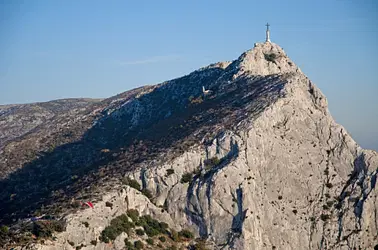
(53, 50)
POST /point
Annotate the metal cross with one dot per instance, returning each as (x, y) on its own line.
(267, 26)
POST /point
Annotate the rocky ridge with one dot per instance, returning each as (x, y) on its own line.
(257, 164)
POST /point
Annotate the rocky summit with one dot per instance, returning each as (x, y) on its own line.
(235, 155)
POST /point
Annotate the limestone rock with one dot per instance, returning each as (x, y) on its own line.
(270, 168)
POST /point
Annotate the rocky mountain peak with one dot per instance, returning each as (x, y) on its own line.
(265, 59)
(241, 154)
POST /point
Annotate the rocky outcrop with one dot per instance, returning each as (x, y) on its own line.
(258, 164)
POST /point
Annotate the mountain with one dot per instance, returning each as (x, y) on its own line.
(256, 162)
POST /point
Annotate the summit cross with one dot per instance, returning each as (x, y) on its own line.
(267, 40)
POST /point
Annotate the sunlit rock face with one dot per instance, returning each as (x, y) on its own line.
(258, 163)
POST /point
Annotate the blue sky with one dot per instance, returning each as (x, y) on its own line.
(53, 49)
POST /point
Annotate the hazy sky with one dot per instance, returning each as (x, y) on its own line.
(86, 48)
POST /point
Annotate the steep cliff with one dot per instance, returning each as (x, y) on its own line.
(257, 163)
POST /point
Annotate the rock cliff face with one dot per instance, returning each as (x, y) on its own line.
(258, 163)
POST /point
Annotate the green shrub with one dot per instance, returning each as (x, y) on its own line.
(128, 244)
(108, 234)
(122, 223)
(151, 226)
(138, 244)
(109, 204)
(174, 236)
(200, 245)
(324, 217)
(86, 224)
(197, 100)
(186, 178)
(162, 239)
(132, 183)
(151, 232)
(4, 229)
(170, 171)
(186, 234)
(329, 185)
(139, 232)
(172, 247)
(150, 241)
(147, 193)
(270, 57)
(163, 226)
(330, 203)
(94, 242)
(117, 226)
(133, 214)
(75, 204)
(79, 247)
(47, 228)
(209, 163)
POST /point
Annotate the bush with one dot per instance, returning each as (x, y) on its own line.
(172, 247)
(197, 100)
(122, 223)
(186, 178)
(174, 236)
(330, 203)
(150, 241)
(209, 163)
(109, 204)
(4, 229)
(329, 185)
(75, 204)
(94, 242)
(47, 228)
(162, 239)
(151, 232)
(270, 57)
(200, 245)
(163, 226)
(138, 244)
(324, 217)
(186, 234)
(170, 171)
(147, 193)
(79, 247)
(108, 234)
(139, 232)
(132, 183)
(133, 214)
(117, 226)
(128, 244)
(86, 224)
(151, 226)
